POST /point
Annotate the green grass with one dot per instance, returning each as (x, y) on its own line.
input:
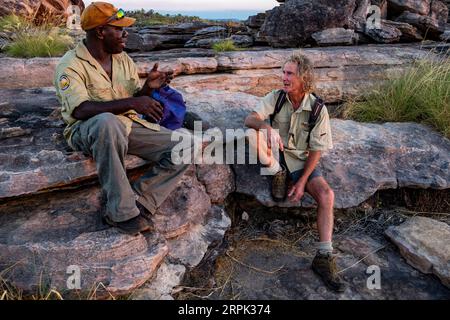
(421, 94)
(13, 23)
(225, 45)
(39, 42)
(148, 18)
(29, 40)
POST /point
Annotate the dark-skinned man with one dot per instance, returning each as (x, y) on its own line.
(103, 104)
(299, 155)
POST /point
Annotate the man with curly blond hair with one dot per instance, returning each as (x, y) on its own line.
(300, 143)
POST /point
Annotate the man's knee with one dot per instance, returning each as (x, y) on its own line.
(107, 123)
(326, 196)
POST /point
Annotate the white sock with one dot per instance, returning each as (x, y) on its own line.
(324, 247)
(273, 169)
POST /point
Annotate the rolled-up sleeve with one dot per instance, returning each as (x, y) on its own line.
(134, 77)
(266, 106)
(320, 139)
(71, 91)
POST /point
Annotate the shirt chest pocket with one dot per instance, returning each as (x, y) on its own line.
(282, 124)
(298, 137)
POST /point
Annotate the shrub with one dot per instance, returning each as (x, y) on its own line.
(225, 45)
(151, 17)
(40, 41)
(421, 94)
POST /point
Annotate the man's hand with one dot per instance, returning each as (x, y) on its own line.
(273, 137)
(157, 79)
(148, 107)
(297, 191)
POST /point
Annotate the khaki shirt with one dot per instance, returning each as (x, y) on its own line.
(79, 78)
(293, 128)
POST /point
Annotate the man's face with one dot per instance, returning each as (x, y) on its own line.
(114, 39)
(292, 82)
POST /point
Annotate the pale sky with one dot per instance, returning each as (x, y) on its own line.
(194, 5)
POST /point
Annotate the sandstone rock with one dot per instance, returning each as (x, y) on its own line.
(220, 108)
(42, 236)
(425, 24)
(185, 207)
(297, 281)
(421, 7)
(188, 250)
(409, 33)
(293, 23)
(168, 276)
(179, 66)
(256, 21)
(397, 153)
(242, 41)
(37, 72)
(383, 5)
(386, 34)
(55, 232)
(206, 37)
(423, 242)
(334, 36)
(39, 10)
(439, 12)
(218, 181)
(359, 17)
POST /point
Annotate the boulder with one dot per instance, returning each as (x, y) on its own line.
(334, 36)
(409, 32)
(206, 37)
(431, 26)
(218, 180)
(161, 37)
(373, 157)
(185, 253)
(421, 7)
(292, 24)
(424, 243)
(256, 21)
(58, 231)
(222, 109)
(387, 33)
(39, 10)
(359, 17)
(40, 246)
(242, 40)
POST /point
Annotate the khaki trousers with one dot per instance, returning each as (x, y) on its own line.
(104, 137)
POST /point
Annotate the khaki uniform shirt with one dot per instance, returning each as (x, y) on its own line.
(79, 78)
(293, 128)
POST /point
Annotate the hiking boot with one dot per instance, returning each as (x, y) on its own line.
(324, 265)
(132, 227)
(279, 187)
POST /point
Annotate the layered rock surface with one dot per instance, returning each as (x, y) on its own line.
(50, 231)
(424, 243)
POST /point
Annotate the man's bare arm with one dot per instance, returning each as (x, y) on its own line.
(143, 105)
(254, 121)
